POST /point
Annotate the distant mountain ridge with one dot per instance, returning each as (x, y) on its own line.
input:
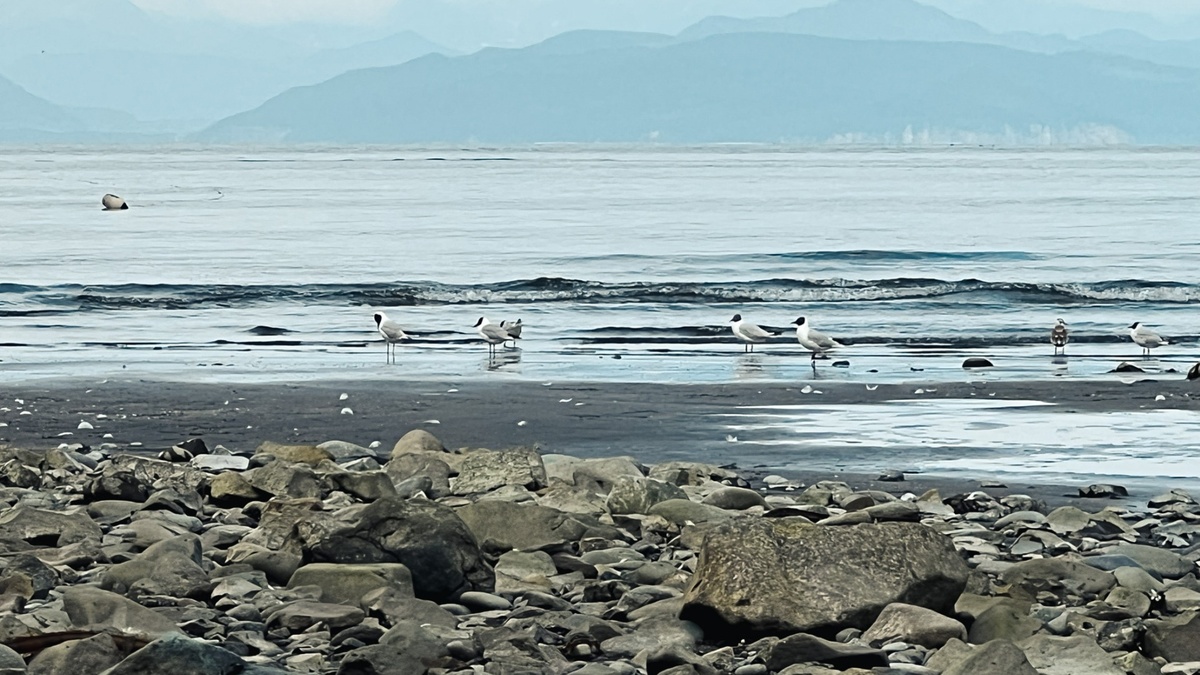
(754, 87)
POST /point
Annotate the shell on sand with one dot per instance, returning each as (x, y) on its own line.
(113, 203)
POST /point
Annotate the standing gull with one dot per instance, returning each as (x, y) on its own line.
(493, 334)
(1145, 338)
(391, 332)
(814, 341)
(748, 332)
(1059, 336)
(513, 328)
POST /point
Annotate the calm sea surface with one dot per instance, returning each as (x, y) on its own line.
(624, 263)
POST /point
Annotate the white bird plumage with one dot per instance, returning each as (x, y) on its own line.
(493, 334)
(813, 340)
(392, 333)
(1059, 336)
(748, 333)
(1145, 338)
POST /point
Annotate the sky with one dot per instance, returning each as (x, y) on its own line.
(363, 11)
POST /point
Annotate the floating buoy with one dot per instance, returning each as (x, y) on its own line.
(113, 203)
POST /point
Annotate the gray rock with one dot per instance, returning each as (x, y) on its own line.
(417, 440)
(303, 614)
(408, 467)
(896, 511)
(684, 511)
(914, 625)
(998, 657)
(1138, 579)
(77, 657)
(1074, 577)
(170, 567)
(293, 454)
(10, 660)
(1127, 604)
(1166, 564)
(804, 648)
(691, 473)
(635, 494)
(602, 473)
(734, 499)
(1051, 655)
(652, 634)
(92, 608)
(772, 576)
(428, 538)
(1178, 599)
(232, 487)
(503, 526)
(178, 655)
(343, 452)
(365, 485)
(47, 529)
(347, 584)
(1175, 640)
(1103, 491)
(1003, 621)
(286, 479)
(484, 601)
(517, 572)
(483, 471)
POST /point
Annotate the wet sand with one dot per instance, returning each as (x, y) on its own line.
(652, 422)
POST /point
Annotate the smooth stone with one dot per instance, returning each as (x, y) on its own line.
(1161, 562)
(804, 648)
(484, 601)
(998, 657)
(347, 583)
(734, 499)
(914, 625)
(178, 655)
(294, 454)
(636, 494)
(416, 441)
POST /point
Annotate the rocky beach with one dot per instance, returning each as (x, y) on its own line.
(221, 543)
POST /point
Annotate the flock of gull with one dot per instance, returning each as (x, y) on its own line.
(747, 333)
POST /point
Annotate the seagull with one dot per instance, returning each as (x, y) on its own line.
(1145, 338)
(493, 334)
(1059, 336)
(814, 341)
(513, 328)
(391, 332)
(748, 332)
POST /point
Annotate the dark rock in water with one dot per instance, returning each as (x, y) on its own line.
(267, 331)
(891, 476)
(1103, 491)
(779, 576)
(196, 446)
(977, 362)
(840, 364)
(1126, 367)
(113, 203)
(1194, 372)
(428, 538)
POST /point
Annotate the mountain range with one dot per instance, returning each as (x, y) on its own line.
(695, 70)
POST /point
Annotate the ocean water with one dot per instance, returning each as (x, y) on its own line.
(238, 263)
(625, 264)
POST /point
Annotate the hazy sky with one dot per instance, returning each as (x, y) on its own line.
(358, 11)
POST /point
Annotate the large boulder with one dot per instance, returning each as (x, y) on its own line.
(406, 466)
(178, 655)
(999, 657)
(503, 526)
(417, 440)
(635, 494)
(427, 538)
(1051, 655)
(92, 608)
(285, 479)
(484, 471)
(347, 584)
(170, 567)
(135, 477)
(47, 529)
(1174, 639)
(784, 576)
(78, 657)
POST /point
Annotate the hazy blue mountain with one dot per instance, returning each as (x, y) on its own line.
(22, 111)
(1048, 17)
(877, 20)
(740, 87)
(1185, 53)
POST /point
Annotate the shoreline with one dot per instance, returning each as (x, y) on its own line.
(650, 422)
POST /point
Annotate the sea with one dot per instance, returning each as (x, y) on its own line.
(624, 263)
